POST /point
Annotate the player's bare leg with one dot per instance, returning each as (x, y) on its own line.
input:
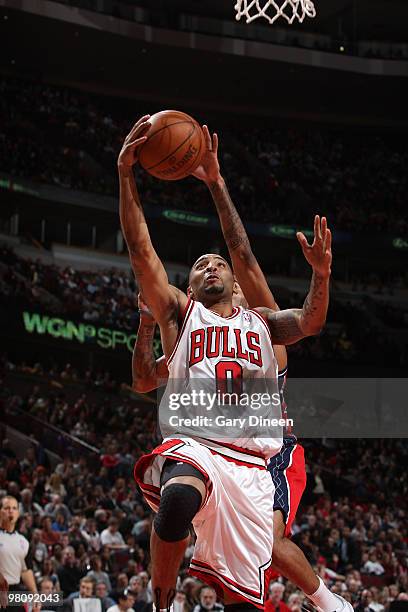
(289, 560)
(166, 561)
(167, 553)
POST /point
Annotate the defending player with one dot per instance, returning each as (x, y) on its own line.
(223, 489)
(287, 468)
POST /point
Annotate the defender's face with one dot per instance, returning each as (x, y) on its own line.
(211, 276)
(238, 298)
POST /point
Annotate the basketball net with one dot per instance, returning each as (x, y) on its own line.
(271, 10)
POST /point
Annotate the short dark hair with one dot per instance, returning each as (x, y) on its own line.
(46, 579)
(123, 594)
(215, 255)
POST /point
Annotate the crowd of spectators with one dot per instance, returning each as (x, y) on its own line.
(109, 298)
(275, 174)
(169, 16)
(87, 523)
(89, 527)
(91, 406)
(86, 518)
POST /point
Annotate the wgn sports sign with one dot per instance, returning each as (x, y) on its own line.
(83, 333)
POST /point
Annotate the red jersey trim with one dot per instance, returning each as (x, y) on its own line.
(235, 312)
(260, 317)
(168, 449)
(206, 566)
(210, 575)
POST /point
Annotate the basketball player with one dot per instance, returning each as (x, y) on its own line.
(287, 468)
(222, 488)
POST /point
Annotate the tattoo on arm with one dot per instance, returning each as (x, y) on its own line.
(285, 326)
(289, 326)
(315, 305)
(233, 229)
(144, 361)
(246, 267)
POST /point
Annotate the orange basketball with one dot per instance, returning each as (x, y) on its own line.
(174, 146)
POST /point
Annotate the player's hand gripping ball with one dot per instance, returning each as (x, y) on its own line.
(174, 146)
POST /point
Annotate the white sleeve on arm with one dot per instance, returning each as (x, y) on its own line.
(105, 538)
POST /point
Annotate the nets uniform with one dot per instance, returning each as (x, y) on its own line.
(288, 470)
(234, 525)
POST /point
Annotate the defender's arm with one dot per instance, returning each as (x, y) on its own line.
(289, 326)
(246, 268)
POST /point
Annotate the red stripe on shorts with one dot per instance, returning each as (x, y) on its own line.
(211, 576)
(295, 476)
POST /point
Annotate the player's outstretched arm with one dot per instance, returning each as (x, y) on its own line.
(151, 276)
(289, 326)
(246, 268)
(147, 371)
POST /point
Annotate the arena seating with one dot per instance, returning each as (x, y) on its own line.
(110, 298)
(351, 524)
(85, 430)
(278, 173)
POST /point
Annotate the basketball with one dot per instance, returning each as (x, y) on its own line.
(174, 146)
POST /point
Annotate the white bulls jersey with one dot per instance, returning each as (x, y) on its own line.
(216, 356)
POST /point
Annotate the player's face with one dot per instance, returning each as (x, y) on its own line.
(9, 512)
(211, 279)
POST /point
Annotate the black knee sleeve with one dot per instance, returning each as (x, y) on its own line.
(179, 504)
(172, 469)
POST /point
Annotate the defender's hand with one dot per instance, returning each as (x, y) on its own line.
(128, 154)
(209, 169)
(318, 254)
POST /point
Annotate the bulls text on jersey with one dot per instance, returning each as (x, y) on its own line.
(216, 341)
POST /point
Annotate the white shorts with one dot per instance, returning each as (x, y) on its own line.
(234, 525)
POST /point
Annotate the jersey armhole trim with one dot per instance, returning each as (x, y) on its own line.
(263, 321)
